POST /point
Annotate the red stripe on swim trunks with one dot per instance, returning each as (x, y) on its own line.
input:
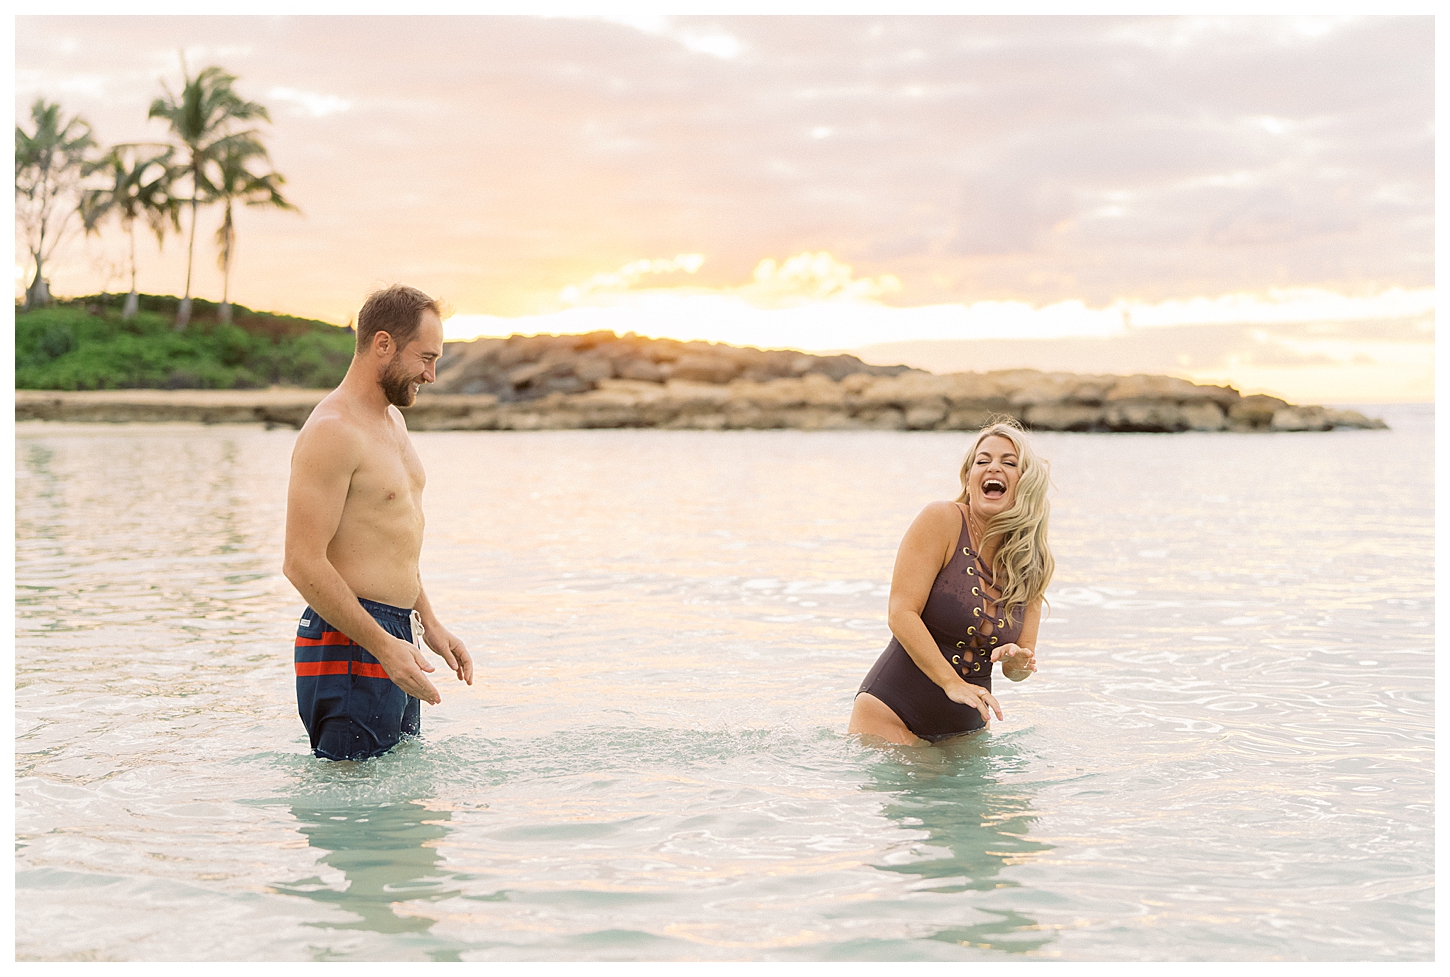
(365, 669)
(328, 638)
(321, 668)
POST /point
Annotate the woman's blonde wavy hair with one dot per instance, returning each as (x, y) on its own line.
(1023, 564)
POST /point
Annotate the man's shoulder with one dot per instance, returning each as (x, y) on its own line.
(333, 428)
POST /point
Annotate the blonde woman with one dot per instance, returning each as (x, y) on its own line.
(966, 592)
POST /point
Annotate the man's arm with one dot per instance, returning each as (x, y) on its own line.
(441, 640)
(323, 461)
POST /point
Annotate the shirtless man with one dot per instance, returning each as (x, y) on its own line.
(354, 532)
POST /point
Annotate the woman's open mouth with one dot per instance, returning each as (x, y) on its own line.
(993, 488)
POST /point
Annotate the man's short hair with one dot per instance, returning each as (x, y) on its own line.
(396, 310)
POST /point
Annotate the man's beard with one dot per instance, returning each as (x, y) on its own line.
(397, 385)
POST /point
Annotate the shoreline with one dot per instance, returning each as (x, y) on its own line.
(907, 401)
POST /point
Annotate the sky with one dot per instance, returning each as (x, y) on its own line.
(1231, 199)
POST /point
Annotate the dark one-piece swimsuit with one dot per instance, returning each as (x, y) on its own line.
(967, 624)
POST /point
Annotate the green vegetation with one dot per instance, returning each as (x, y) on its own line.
(84, 344)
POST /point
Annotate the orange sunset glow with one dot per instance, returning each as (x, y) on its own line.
(1228, 199)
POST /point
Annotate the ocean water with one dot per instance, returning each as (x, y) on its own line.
(1227, 752)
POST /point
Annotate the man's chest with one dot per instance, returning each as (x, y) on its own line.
(391, 476)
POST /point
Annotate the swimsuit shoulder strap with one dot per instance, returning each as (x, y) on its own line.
(966, 533)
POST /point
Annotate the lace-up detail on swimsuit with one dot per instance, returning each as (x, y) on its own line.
(973, 654)
(963, 616)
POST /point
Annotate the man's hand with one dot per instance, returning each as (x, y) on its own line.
(405, 665)
(451, 650)
(1017, 662)
(975, 696)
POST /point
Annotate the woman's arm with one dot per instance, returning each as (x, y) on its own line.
(924, 550)
(1020, 660)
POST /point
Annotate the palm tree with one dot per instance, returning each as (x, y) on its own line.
(233, 182)
(204, 119)
(49, 167)
(139, 186)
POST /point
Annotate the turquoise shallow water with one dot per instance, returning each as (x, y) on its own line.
(1227, 753)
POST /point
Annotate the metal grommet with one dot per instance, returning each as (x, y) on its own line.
(994, 639)
(976, 612)
(961, 644)
(971, 630)
(971, 571)
(976, 592)
(976, 666)
(956, 659)
(1001, 623)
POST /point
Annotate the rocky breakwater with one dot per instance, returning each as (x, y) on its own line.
(602, 380)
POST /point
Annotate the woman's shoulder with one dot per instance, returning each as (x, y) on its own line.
(943, 517)
(942, 511)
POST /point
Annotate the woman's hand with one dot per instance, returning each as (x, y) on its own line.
(975, 696)
(1017, 662)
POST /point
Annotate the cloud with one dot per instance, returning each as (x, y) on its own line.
(707, 39)
(630, 275)
(1038, 160)
(310, 103)
(799, 280)
(810, 277)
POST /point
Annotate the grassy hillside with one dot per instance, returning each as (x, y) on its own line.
(82, 344)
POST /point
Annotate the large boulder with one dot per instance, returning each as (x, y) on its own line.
(705, 368)
(1354, 419)
(1027, 388)
(1300, 419)
(687, 396)
(1255, 412)
(592, 368)
(1145, 387)
(1063, 417)
(925, 416)
(1204, 415)
(811, 389)
(1144, 415)
(640, 368)
(907, 390)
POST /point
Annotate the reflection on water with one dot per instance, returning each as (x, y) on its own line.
(387, 854)
(975, 827)
(1227, 755)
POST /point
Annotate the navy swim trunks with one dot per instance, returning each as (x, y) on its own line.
(351, 709)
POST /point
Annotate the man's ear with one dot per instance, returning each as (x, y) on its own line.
(382, 343)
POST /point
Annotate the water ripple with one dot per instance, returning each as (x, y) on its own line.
(1227, 754)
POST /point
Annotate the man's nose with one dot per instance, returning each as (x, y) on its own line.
(430, 370)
